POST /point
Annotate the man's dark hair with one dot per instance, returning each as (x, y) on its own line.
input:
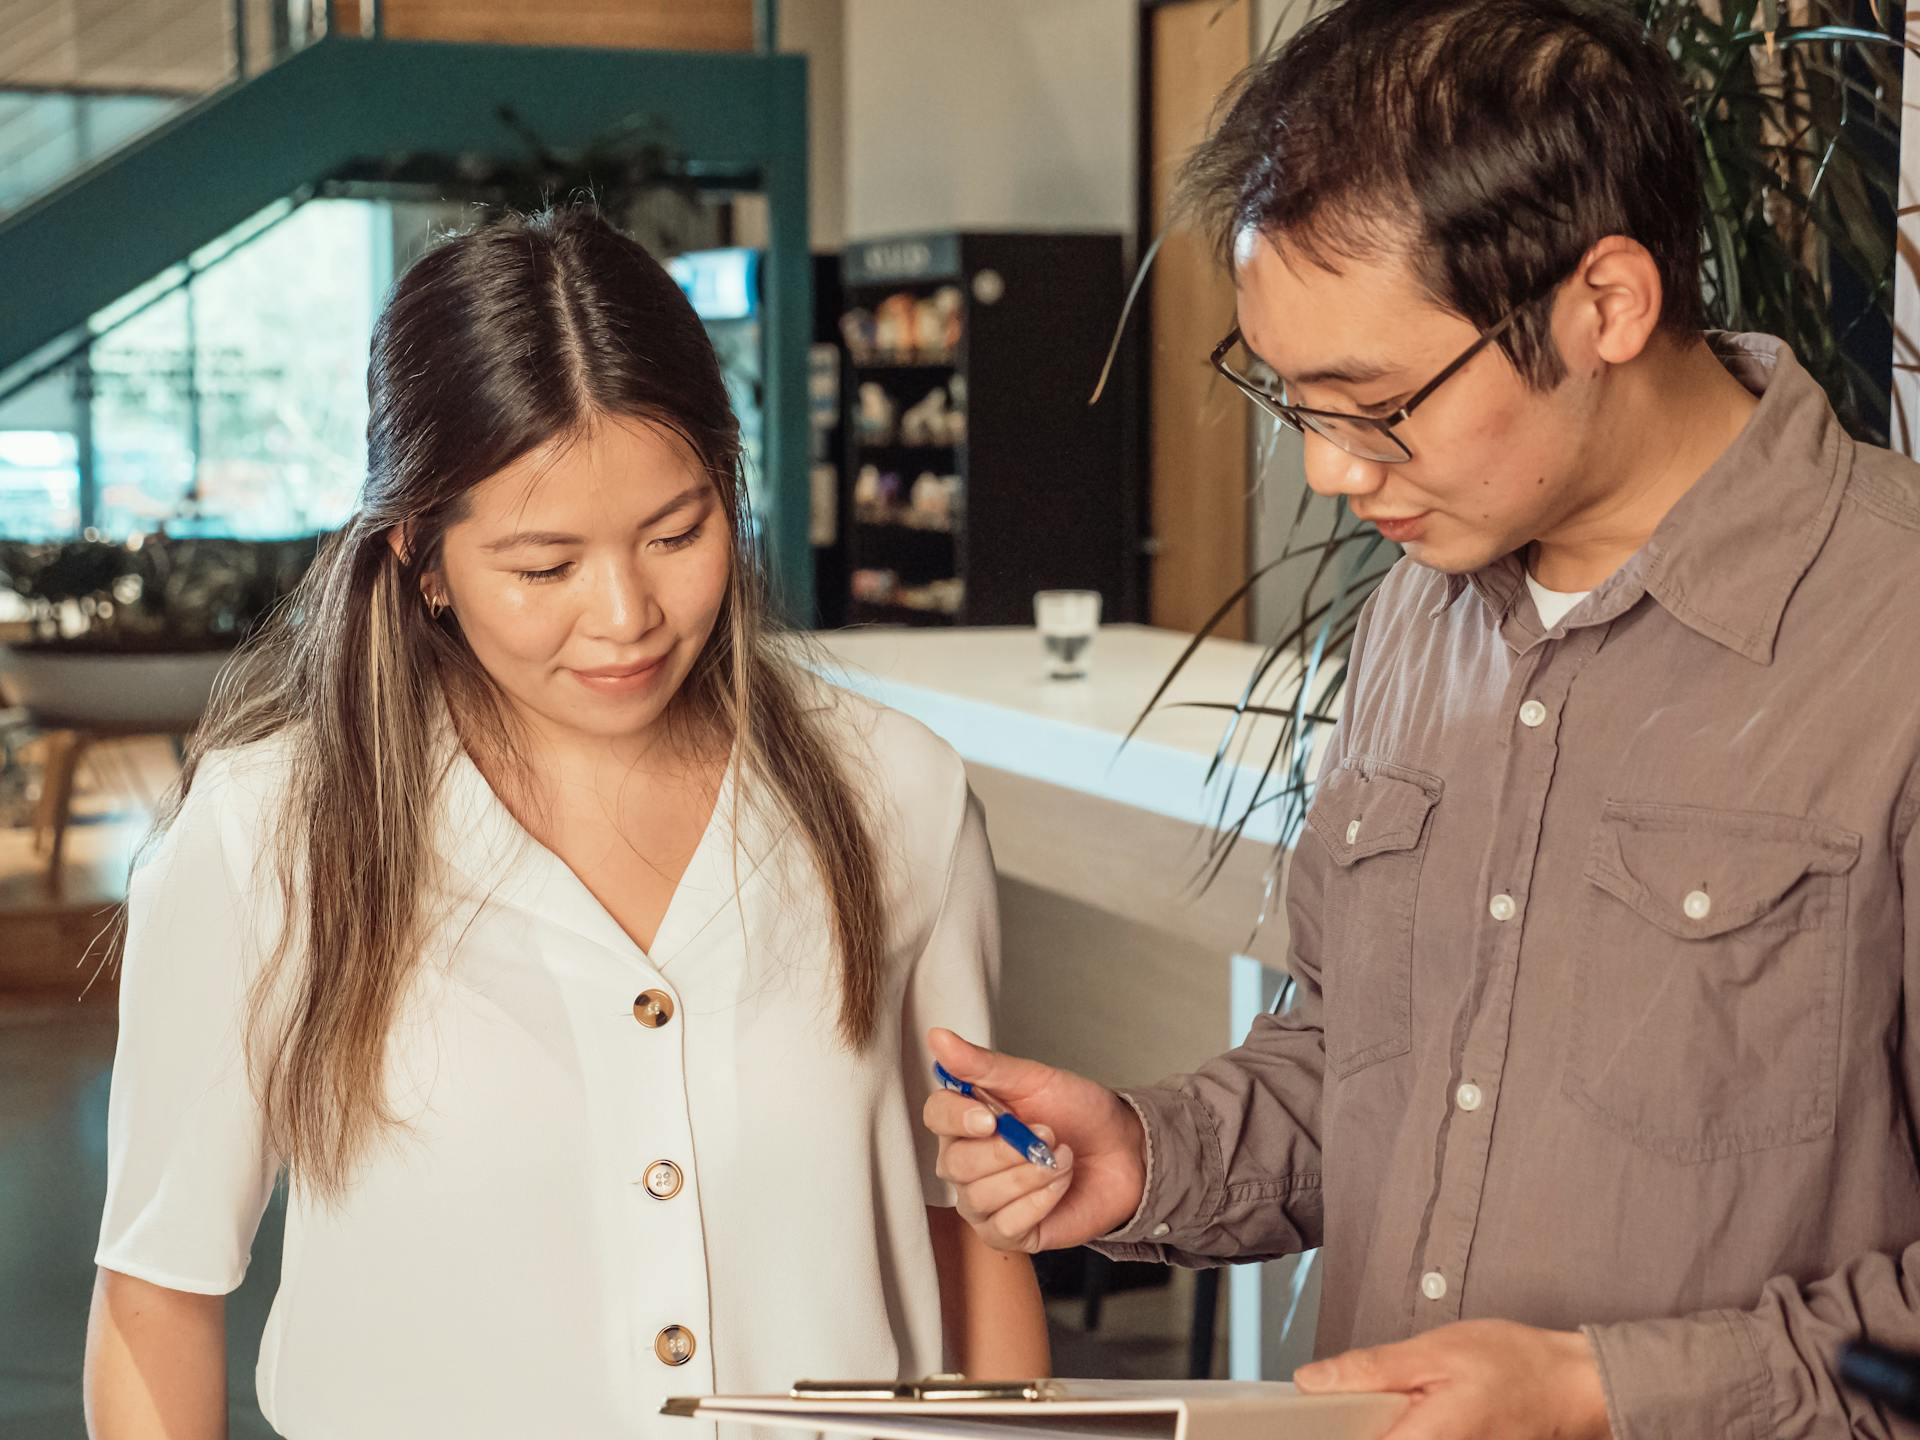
(1493, 142)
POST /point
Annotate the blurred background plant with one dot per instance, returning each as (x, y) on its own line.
(152, 594)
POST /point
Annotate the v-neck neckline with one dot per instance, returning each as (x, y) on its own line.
(489, 844)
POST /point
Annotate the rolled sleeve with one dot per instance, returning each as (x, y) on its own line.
(1186, 1185)
(1680, 1379)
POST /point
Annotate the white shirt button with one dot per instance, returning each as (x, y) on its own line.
(1533, 714)
(1468, 1097)
(674, 1345)
(663, 1179)
(1162, 1229)
(1353, 831)
(1433, 1285)
(1502, 908)
(1698, 905)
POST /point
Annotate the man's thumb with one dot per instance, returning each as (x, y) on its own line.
(1385, 1367)
(1008, 1077)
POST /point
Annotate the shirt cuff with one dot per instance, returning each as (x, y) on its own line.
(1683, 1378)
(1186, 1183)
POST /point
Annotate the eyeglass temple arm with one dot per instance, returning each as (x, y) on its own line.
(1447, 374)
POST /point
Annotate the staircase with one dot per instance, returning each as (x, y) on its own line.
(245, 103)
(79, 79)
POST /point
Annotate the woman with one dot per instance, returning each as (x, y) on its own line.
(532, 908)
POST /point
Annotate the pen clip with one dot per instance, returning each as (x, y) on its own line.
(949, 1081)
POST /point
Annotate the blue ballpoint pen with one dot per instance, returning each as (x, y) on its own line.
(1009, 1126)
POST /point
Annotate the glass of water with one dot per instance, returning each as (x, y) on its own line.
(1067, 621)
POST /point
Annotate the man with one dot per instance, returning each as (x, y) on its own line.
(1600, 1084)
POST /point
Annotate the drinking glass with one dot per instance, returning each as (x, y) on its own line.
(1067, 621)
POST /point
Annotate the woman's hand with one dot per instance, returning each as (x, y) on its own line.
(1097, 1140)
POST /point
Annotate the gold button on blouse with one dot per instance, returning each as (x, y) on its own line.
(653, 1008)
(663, 1179)
(674, 1345)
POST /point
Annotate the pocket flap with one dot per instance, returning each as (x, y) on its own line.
(1699, 873)
(1367, 807)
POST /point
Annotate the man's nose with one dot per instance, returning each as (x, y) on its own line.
(1332, 471)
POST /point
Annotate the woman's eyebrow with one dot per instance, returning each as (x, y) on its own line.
(554, 537)
(679, 502)
(529, 537)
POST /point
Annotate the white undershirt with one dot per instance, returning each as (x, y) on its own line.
(1553, 605)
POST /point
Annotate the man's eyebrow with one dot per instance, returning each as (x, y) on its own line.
(1340, 372)
(554, 537)
(1344, 372)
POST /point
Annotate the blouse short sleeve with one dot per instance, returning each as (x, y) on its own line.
(954, 980)
(188, 1172)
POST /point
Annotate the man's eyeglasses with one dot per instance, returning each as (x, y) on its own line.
(1368, 437)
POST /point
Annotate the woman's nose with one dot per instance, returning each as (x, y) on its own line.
(622, 605)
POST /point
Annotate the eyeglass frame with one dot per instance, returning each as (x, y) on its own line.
(1285, 413)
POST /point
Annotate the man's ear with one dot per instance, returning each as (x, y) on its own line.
(1620, 299)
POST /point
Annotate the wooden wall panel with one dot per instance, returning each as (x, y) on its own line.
(187, 46)
(625, 24)
(162, 46)
(1198, 456)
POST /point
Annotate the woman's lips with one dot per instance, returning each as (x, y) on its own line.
(621, 680)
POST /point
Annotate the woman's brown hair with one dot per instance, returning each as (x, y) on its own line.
(497, 342)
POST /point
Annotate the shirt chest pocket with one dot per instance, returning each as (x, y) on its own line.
(1705, 1019)
(1372, 816)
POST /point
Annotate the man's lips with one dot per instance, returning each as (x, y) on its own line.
(1397, 528)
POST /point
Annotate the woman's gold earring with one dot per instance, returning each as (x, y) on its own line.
(436, 605)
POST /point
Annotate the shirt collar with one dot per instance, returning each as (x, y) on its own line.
(1728, 556)
(502, 862)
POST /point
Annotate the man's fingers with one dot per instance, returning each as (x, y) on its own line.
(951, 1114)
(1428, 1418)
(995, 1191)
(1017, 1226)
(966, 1162)
(1010, 1078)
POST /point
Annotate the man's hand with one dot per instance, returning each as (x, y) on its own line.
(1478, 1380)
(1097, 1141)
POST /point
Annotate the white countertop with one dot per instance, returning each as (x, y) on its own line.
(986, 692)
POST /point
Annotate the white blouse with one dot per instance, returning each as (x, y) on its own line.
(612, 1158)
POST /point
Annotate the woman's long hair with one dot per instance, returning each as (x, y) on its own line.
(493, 344)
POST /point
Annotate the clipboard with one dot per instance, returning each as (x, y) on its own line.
(946, 1408)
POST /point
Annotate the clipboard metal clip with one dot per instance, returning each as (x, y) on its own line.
(934, 1387)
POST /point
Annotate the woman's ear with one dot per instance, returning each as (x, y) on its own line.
(433, 585)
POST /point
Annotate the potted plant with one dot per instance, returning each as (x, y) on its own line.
(130, 637)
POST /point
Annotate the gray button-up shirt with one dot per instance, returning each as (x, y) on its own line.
(1603, 938)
